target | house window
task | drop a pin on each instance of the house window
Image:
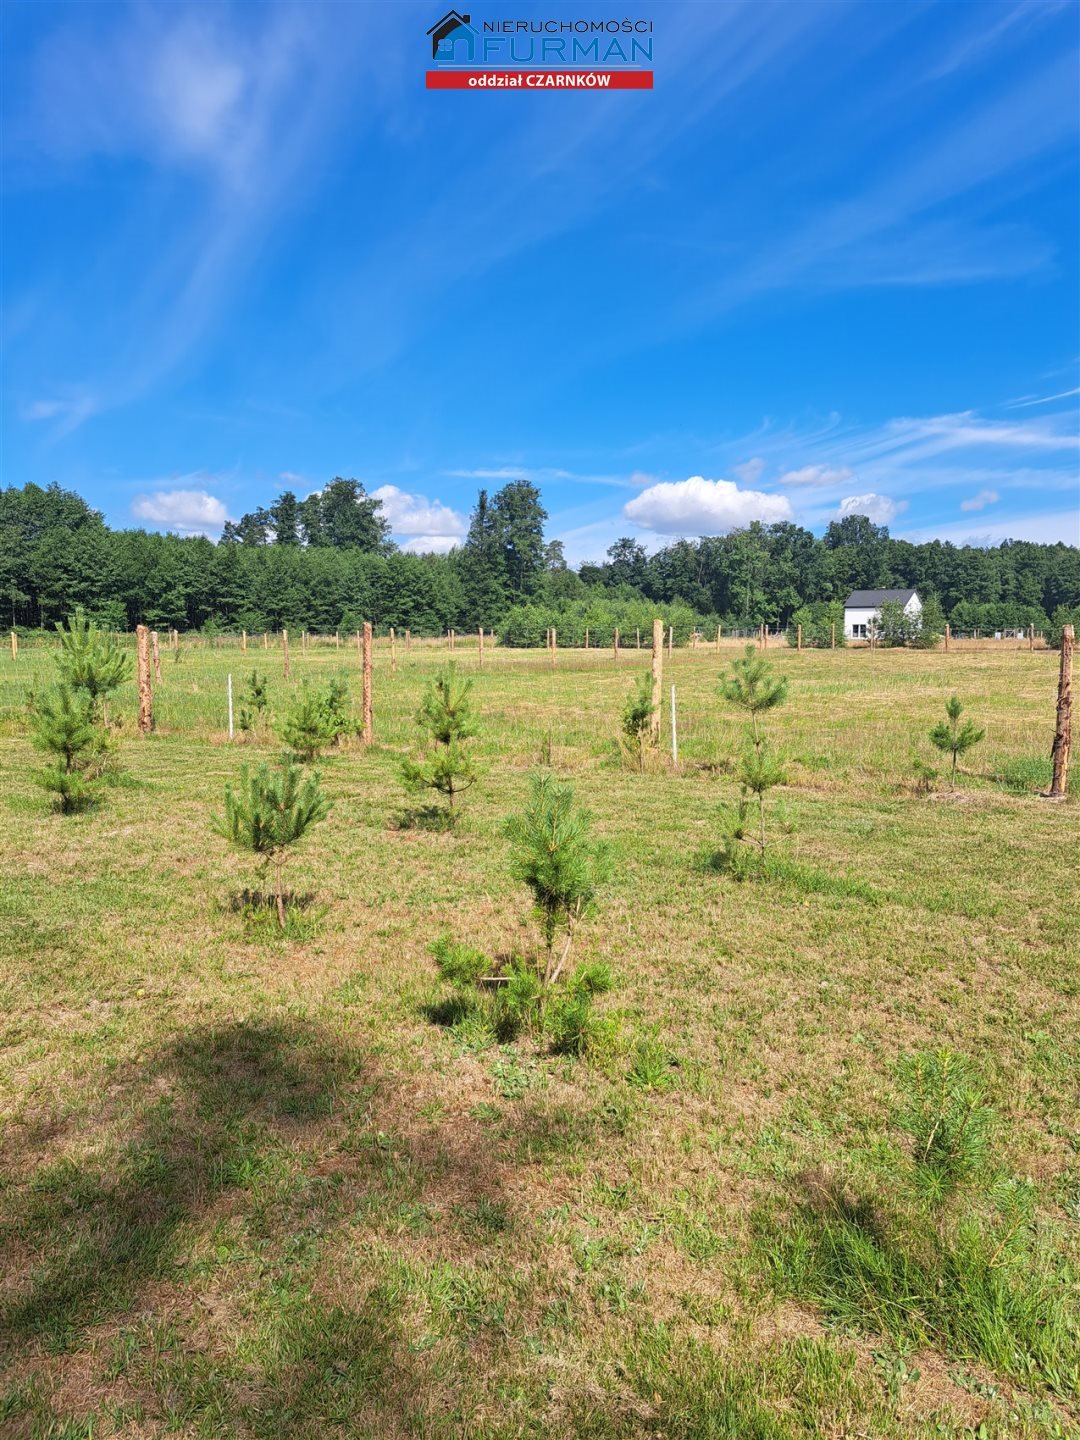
(858, 632)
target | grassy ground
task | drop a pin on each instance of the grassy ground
(249, 1188)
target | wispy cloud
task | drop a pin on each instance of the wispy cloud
(69, 412)
(1028, 400)
(981, 500)
(816, 475)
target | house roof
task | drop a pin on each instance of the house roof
(865, 599)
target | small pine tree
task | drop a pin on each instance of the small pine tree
(308, 728)
(637, 720)
(555, 857)
(62, 724)
(268, 813)
(255, 703)
(944, 1110)
(447, 718)
(90, 660)
(954, 738)
(752, 686)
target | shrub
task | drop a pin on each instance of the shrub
(447, 719)
(553, 854)
(268, 813)
(954, 738)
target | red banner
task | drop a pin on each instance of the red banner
(539, 79)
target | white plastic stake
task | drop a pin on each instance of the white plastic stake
(674, 731)
(230, 708)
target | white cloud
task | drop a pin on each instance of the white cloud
(188, 512)
(292, 478)
(418, 516)
(878, 508)
(430, 544)
(817, 475)
(703, 507)
(981, 500)
(1027, 400)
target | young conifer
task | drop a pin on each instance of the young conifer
(446, 717)
(269, 812)
(753, 688)
(954, 738)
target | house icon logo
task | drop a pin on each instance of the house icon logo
(445, 34)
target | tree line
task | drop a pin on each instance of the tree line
(327, 563)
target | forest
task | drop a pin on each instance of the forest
(327, 562)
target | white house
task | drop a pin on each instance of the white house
(862, 606)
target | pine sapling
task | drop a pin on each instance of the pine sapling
(954, 738)
(91, 660)
(62, 723)
(554, 855)
(269, 812)
(637, 721)
(308, 728)
(447, 719)
(753, 688)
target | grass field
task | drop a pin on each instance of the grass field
(250, 1188)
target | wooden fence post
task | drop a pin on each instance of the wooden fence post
(243, 642)
(369, 731)
(1059, 785)
(285, 651)
(266, 643)
(554, 644)
(1031, 637)
(481, 647)
(146, 698)
(670, 640)
(616, 644)
(718, 639)
(408, 641)
(14, 646)
(639, 639)
(798, 638)
(657, 679)
(948, 636)
(832, 636)
(157, 656)
(337, 639)
(586, 637)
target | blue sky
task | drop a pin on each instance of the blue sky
(829, 264)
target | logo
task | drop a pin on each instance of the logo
(445, 31)
(532, 54)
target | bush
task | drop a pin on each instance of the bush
(817, 621)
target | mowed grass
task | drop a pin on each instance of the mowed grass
(249, 1188)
